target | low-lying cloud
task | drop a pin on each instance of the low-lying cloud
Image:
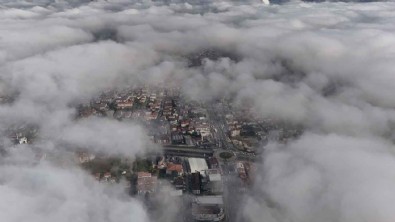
(49, 193)
(327, 178)
(327, 66)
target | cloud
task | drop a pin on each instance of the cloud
(328, 178)
(327, 66)
(49, 193)
(106, 136)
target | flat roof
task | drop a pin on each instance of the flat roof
(198, 209)
(214, 177)
(176, 193)
(197, 164)
(209, 200)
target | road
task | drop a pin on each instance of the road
(232, 185)
(219, 123)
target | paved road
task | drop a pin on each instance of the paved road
(205, 152)
(232, 192)
(188, 151)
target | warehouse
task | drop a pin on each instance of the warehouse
(197, 165)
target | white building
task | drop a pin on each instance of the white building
(22, 140)
(197, 164)
(214, 182)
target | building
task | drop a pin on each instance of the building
(208, 208)
(203, 129)
(100, 106)
(125, 105)
(213, 183)
(213, 163)
(176, 193)
(196, 183)
(197, 165)
(151, 116)
(146, 183)
(235, 132)
(119, 114)
(125, 102)
(241, 170)
(179, 183)
(85, 157)
(173, 168)
(22, 140)
(107, 176)
(177, 139)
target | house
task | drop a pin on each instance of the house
(85, 157)
(100, 106)
(172, 167)
(127, 104)
(179, 183)
(22, 140)
(177, 139)
(235, 132)
(97, 176)
(213, 163)
(107, 176)
(184, 123)
(146, 183)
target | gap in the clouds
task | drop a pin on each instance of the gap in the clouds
(105, 35)
(333, 88)
(196, 59)
(185, 129)
(289, 73)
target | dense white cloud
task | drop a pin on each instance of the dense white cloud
(327, 66)
(328, 178)
(50, 193)
(104, 136)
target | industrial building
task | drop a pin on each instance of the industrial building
(208, 208)
(197, 165)
(196, 183)
(213, 181)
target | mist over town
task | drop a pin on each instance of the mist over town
(197, 110)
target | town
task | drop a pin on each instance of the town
(209, 156)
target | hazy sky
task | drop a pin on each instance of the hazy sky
(328, 66)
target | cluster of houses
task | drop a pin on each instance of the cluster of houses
(22, 134)
(130, 103)
(189, 124)
(243, 133)
(176, 122)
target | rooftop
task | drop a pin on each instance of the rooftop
(209, 200)
(197, 164)
(198, 209)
